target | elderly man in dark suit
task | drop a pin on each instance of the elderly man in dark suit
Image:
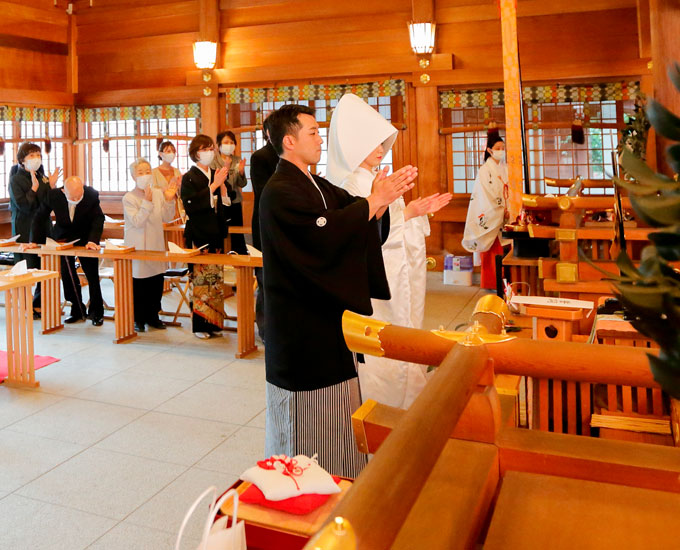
(78, 215)
(262, 167)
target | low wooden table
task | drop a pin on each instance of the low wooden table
(267, 528)
(19, 325)
(122, 282)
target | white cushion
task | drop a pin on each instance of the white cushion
(280, 477)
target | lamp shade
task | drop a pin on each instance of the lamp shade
(422, 37)
(205, 54)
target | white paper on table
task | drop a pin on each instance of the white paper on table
(174, 249)
(20, 268)
(108, 219)
(254, 252)
(11, 239)
(51, 244)
(109, 244)
(552, 302)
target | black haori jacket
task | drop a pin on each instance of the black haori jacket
(318, 262)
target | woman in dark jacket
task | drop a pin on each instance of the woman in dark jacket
(28, 188)
(204, 194)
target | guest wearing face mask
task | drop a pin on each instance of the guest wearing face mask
(486, 213)
(166, 174)
(28, 187)
(204, 194)
(78, 215)
(236, 180)
(145, 210)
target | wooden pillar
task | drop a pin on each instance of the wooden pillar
(427, 141)
(71, 130)
(665, 35)
(209, 29)
(513, 105)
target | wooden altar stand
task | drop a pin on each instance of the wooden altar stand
(19, 325)
(455, 472)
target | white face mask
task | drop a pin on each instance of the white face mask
(32, 164)
(144, 181)
(74, 203)
(206, 157)
(227, 148)
(168, 157)
(498, 154)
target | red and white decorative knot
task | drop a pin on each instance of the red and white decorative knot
(284, 465)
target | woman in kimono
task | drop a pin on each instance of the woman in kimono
(204, 195)
(28, 188)
(145, 209)
(166, 175)
(359, 138)
(486, 213)
(236, 179)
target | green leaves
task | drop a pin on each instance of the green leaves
(650, 293)
(664, 122)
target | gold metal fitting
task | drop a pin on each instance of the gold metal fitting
(493, 305)
(562, 234)
(362, 334)
(431, 263)
(335, 535)
(424, 78)
(424, 63)
(566, 272)
(207, 91)
(564, 203)
(529, 200)
(476, 335)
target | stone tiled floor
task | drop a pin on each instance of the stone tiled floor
(118, 440)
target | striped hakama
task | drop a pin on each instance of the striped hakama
(316, 422)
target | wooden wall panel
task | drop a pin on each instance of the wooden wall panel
(29, 37)
(135, 46)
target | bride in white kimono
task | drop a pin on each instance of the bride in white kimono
(358, 139)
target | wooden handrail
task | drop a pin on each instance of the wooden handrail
(522, 357)
(235, 260)
(381, 498)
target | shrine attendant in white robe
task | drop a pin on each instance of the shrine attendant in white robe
(145, 209)
(486, 213)
(359, 139)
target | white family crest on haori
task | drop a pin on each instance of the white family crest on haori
(356, 130)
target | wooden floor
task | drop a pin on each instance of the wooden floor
(118, 440)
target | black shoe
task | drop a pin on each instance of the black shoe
(97, 321)
(36, 315)
(73, 319)
(139, 327)
(157, 324)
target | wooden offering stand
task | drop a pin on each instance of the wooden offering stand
(455, 472)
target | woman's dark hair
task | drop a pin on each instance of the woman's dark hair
(26, 149)
(222, 135)
(201, 141)
(490, 142)
(266, 128)
(284, 122)
(163, 145)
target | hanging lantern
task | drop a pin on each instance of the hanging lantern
(48, 142)
(105, 141)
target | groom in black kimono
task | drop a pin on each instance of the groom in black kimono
(322, 256)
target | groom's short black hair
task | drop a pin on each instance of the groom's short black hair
(284, 122)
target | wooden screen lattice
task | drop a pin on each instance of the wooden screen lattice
(109, 172)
